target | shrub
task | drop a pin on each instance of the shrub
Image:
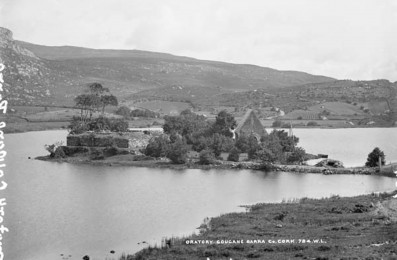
(373, 158)
(178, 152)
(118, 125)
(53, 147)
(312, 123)
(234, 155)
(266, 155)
(158, 146)
(96, 154)
(110, 151)
(206, 157)
(59, 153)
(277, 123)
(297, 155)
(77, 126)
(124, 111)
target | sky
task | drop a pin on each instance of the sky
(344, 39)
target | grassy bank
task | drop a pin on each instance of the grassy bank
(362, 227)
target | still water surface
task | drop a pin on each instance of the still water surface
(58, 208)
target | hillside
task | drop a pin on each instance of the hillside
(43, 74)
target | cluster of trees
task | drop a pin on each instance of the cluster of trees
(190, 131)
(95, 100)
(127, 113)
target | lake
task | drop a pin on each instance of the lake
(59, 208)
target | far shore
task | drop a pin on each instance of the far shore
(22, 127)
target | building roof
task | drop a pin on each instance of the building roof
(250, 124)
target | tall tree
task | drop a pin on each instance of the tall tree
(87, 103)
(373, 158)
(97, 89)
(223, 123)
(108, 100)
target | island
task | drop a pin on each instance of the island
(190, 140)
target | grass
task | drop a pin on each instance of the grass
(350, 228)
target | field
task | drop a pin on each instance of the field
(338, 108)
(163, 107)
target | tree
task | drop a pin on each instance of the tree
(297, 156)
(178, 151)
(87, 103)
(223, 123)
(108, 100)
(373, 158)
(266, 156)
(206, 157)
(234, 155)
(277, 123)
(158, 146)
(287, 142)
(242, 143)
(96, 89)
(253, 146)
(124, 111)
(270, 149)
(185, 124)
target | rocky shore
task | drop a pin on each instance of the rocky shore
(124, 159)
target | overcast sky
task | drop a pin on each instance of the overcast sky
(345, 39)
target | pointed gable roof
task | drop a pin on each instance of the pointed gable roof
(250, 124)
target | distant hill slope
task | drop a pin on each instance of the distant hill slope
(128, 71)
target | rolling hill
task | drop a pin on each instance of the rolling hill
(45, 74)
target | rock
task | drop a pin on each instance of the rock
(330, 163)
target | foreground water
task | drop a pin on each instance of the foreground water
(59, 208)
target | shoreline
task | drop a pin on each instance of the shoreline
(330, 228)
(127, 160)
(24, 127)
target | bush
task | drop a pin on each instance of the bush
(96, 154)
(277, 123)
(124, 111)
(77, 126)
(110, 151)
(118, 125)
(158, 146)
(234, 155)
(178, 152)
(59, 153)
(312, 123)
(373, 158)
(266, 156)
(297, 155)
(52, 148)
(206, 157)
